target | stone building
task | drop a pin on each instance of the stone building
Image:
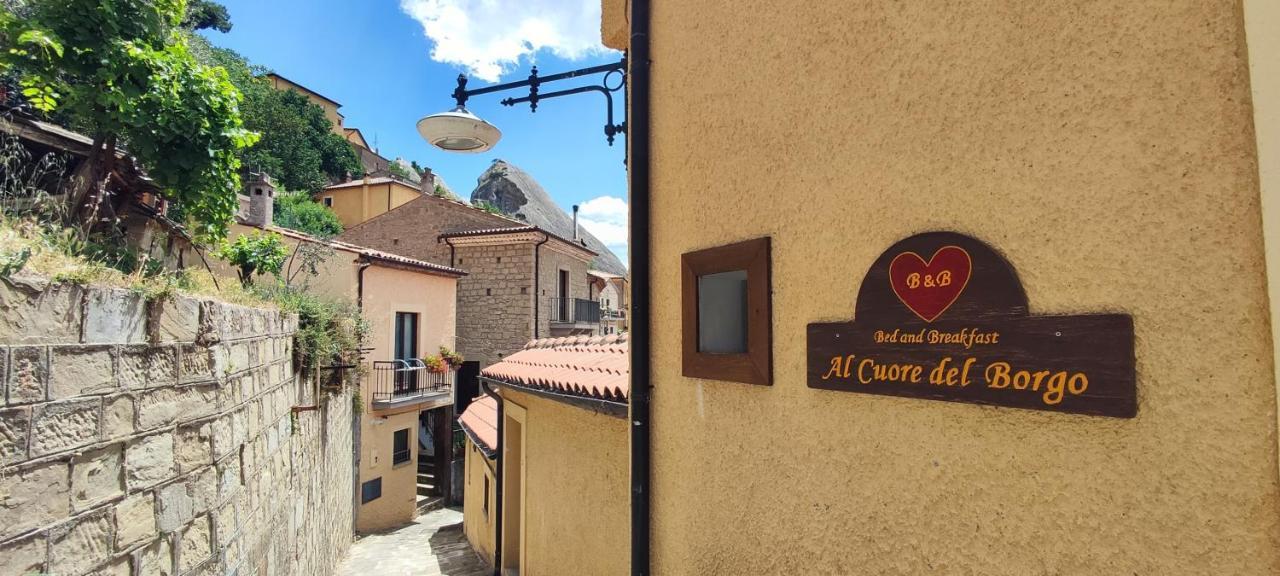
(523, 282)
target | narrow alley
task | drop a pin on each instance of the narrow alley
(432, 545)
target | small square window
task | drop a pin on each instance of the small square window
(400, 452)
(328, 201)
(371, 490)
(725, 302)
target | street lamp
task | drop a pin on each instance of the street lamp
(459, 130)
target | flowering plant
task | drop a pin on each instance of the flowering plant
(453, 359)
(435, 364)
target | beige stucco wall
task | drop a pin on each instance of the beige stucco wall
(387, 291)
(397, 505)
(1106, 149)
(1262, 25)
(335, 277)
(577, 509)
(478, 524)
(355, 204)
(330, 108)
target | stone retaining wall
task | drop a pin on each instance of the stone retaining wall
(145, 438)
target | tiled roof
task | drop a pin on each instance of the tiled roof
(372, 181)
(594, 367)
(516, 230)
(370, 253)
(489, 231)
(480, 422)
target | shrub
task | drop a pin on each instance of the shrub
(254, 254)
(329, 332)
(296, 211)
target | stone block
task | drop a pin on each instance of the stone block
(15, 424)
(199, 363)
(149, 461)
(118, 416)
(122, 566)
(195, 448)
(174, 507)
(210, 331)
(76, 370)
(114, 316)
(135, 520)
(195, 547)
(26, 556)
(204, 490)
(148, 366)
(97, 476)
(240, 357)
(35, 497)
(175, 319)
(59, 426)
(156, 559)
(35, 312)
(28, 374)
(165, 406)
(224, 441)
(81, 545)
(229, 479)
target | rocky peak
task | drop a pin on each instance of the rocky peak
(519, 196)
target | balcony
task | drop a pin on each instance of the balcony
(408, 383)
(575, 315)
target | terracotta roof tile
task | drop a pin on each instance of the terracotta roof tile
(588, 366)
(480, 421)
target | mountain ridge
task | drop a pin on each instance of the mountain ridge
(518, 195)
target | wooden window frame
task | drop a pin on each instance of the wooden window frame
(755, 366)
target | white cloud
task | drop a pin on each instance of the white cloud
(605, 217)
(489, 37)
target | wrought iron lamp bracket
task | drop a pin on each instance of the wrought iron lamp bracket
(607, 86)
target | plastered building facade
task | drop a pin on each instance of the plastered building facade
(1110, 152)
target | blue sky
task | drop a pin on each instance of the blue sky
(376, 58)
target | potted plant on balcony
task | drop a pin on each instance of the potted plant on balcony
(453, 359)
(435, 364)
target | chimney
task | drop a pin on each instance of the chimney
(262, 196)
(575, 221)
(428, 182)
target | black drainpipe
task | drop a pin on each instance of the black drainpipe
(638, 171)
(451, 254)
(357, 417)
(360, 285)
(497, 490)
(537, 275)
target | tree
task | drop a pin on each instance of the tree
(399, 171)
(254, 255)
(296, 211)
(206, 14)
(123, 69)
(298, 148)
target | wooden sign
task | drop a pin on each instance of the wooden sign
(942, 316)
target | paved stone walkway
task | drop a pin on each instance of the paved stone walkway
(432, 545)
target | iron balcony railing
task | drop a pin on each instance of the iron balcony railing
(396, 380)
(575, 311)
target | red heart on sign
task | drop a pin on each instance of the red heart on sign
(929, 288)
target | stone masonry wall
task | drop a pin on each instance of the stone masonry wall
(552, 262)
(145, 438)
(495, 312)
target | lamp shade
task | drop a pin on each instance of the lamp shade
(458, 131)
